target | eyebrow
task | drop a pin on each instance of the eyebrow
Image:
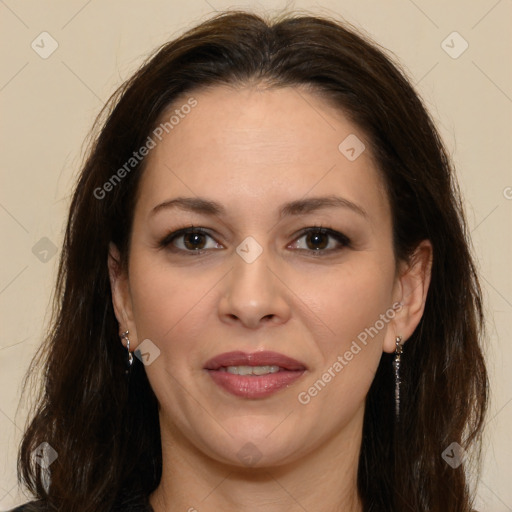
(299, 207)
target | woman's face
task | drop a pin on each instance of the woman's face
(254, 169)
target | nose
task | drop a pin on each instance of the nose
(254, 294)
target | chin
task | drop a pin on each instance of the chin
(250, 451)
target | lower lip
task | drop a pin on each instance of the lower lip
(255, 386)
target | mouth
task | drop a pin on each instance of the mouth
(254, 375)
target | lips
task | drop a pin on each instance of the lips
(254, 386)
(265, 358)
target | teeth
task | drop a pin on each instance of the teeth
(250, 370)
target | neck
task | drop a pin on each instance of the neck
(324, 480)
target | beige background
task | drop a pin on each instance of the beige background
(48, 106)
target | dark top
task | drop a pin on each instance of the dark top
(131, 504)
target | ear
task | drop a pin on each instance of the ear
(121, 296)
(410, 291)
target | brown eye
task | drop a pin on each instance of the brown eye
(315, 240)
(194, 241)
(189, 240)
(321, 240)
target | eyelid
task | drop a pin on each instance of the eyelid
(341, 238)
(170, 237)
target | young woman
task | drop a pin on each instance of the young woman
(266, 299)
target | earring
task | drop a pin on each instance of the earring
(124, 336)
(396, 364)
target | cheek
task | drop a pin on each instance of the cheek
(169, 303)
(350, 297)
(355, 303)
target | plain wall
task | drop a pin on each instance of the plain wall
(48, 105)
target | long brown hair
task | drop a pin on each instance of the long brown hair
(105, 427)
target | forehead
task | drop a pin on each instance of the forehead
(251, 146)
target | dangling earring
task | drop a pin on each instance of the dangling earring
(396, 364)
(129, 363)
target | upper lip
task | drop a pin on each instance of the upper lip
(262, 358)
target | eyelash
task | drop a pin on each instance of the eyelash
(343, 240)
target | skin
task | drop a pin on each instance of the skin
(252, 149)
